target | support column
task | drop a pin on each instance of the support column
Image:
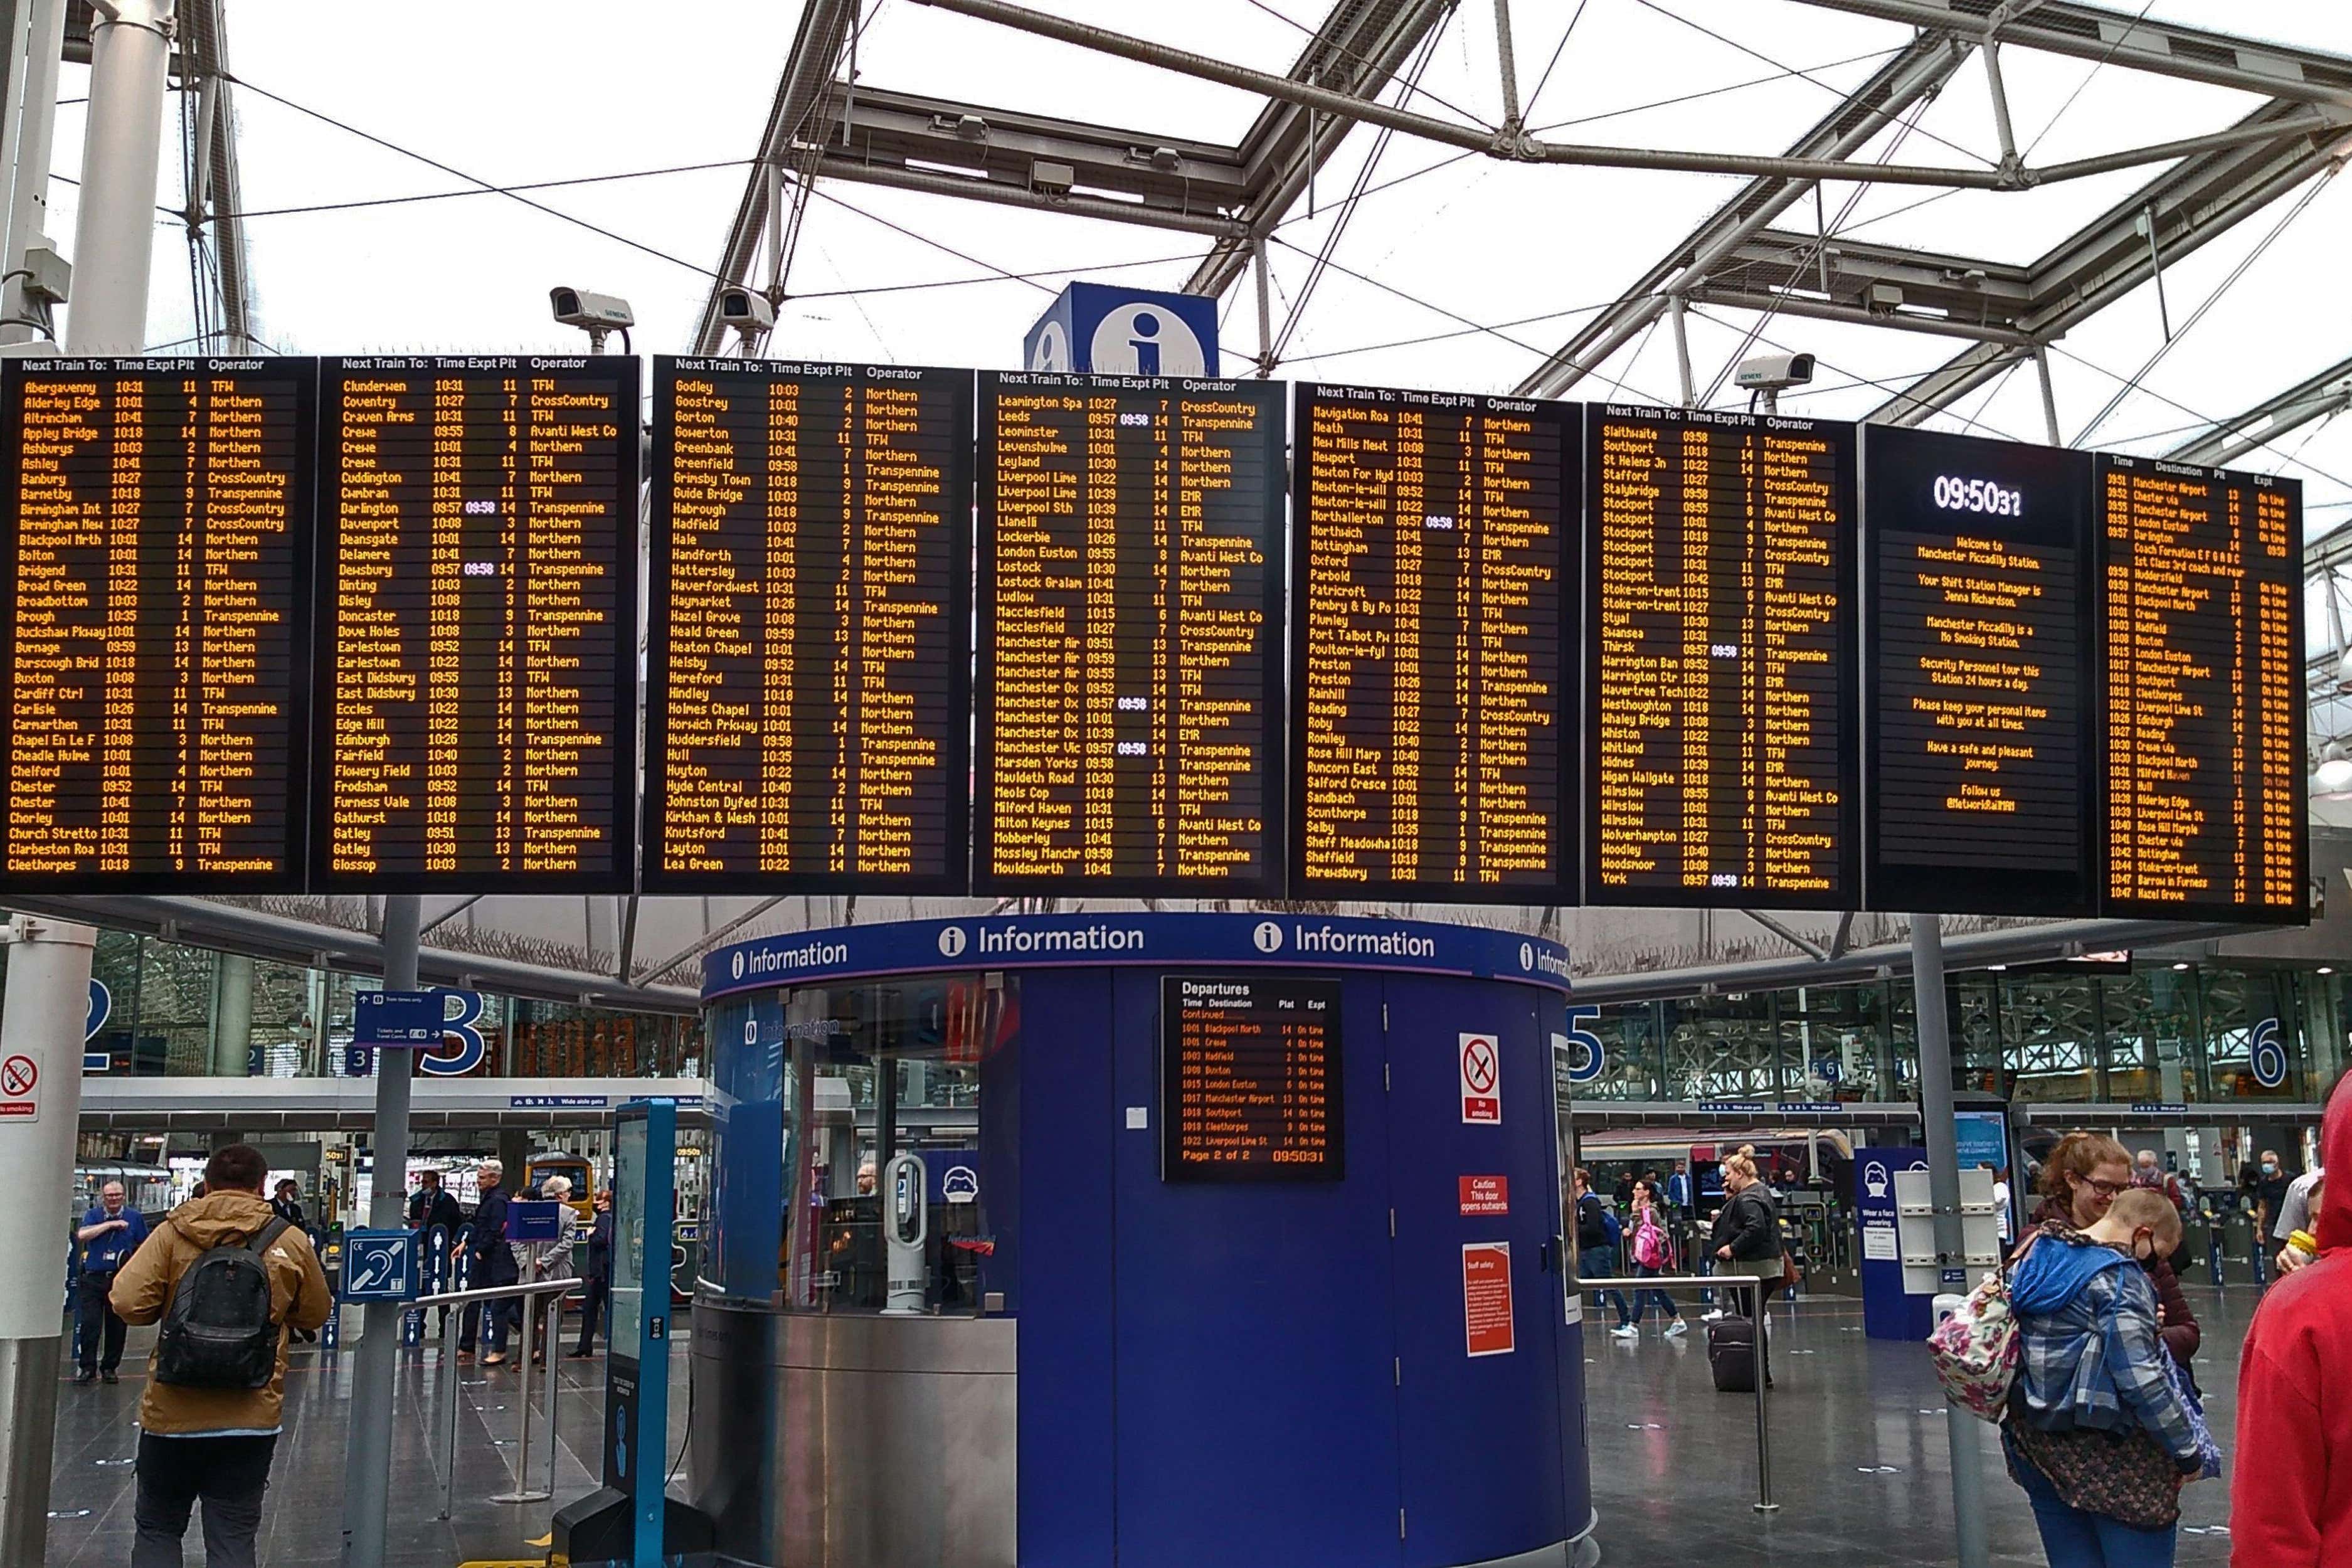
(27, 153)
(1944, 1190)
(367, 1469)
(47, 1002)
(233, 1015)
(115, 238)
(2049, 395)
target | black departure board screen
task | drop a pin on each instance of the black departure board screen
(807, 652)
(1720, 705)
(1433, 663)
(477, 659)
(2201, 610)
(1129, 612)
(156, 604)
(1979, 669)
(1250, 1085)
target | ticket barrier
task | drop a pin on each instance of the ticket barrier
(2224, 1244)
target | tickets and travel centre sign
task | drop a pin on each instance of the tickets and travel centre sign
(1027, 942)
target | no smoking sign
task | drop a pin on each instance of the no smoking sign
(1482, 1080)
(20, 1077)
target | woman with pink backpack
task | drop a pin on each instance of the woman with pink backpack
(1652, 1248)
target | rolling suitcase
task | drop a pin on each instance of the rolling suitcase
(1731, 1354)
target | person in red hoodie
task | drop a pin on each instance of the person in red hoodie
(2295, 1409)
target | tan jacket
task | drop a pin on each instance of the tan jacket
(143, 1291)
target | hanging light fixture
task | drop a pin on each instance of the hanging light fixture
(2335, 771)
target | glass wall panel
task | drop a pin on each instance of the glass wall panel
(1719, 1047)
(1633, 1063)
(2050, 1037)
(2248, 1012)
(2149, 1016)
(1830, 1039)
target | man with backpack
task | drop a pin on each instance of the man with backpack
(226, 1279)
(1598, 1232)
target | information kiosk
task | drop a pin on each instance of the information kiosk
(1247, 1248)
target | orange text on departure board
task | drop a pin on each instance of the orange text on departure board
(1430, 649)
(152, 724)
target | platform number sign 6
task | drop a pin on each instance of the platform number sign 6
(472, 1049)
(1585, 1057)
(2269, 1056)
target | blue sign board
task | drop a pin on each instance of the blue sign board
(397, 1020)
(1810, 1107)
(1031, 941)
(2158, 1107)
(1587, 1054)
(1114, 331)
(102, 1005)
(534, 1219)
(1888, 1313)
(96, 1061)
(1735, 1107)
(1983, 1138)
(380, 1265)
(558, 1101)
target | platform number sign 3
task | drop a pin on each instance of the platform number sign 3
(461, 1031)
(2269, 1056)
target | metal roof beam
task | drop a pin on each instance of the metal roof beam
(2192, 203)
(818, 43)
(1875, 280)
(2329, 392)
(1360, 48)
(956, 149)
(2136, 42)
(1919, 70)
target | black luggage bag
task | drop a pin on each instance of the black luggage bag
(1731, 1353)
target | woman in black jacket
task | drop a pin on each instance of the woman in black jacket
(1746, 1240)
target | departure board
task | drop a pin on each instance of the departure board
(155, 600)
(1250, 1085)
(2200, 613)
(1130, 612)
(476, 661)
(806, 725)
(1978, 671)
(1433, 665)
(1720, 702)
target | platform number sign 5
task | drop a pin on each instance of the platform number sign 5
(461, 1031)
(2269, 1056)
(1585, 1056)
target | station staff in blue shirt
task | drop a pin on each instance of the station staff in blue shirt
(111, 1232)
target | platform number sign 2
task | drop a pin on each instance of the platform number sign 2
(2269, 1056)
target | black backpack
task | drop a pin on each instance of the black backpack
(217, 1332)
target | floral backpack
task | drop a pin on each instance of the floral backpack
(1976, 1349)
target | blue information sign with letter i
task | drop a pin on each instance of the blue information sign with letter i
(380, 1265)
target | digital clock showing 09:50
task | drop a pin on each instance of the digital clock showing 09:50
(1956, 494)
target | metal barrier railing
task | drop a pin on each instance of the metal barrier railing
(466, 1301)
(1729, 1284)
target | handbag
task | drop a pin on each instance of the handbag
(2122, 1476)
(1976, 1350)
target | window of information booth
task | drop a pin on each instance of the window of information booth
(845, 1153)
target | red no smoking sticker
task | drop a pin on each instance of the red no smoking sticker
(1487, 1298)
(18, 1076)
(1482, 1080)
(1485, 1195)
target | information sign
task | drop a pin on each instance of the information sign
(1978, 670)
(380, 1265)
(1487, 1322)
(1129, 724)
(1480, 1057)
(2201, 610)
(1251, 1087)
(808, 640)
(394, 1020)
(155, 539)
(1721, 741)
(1485, 1195)
(476, 660)
(1431, 595)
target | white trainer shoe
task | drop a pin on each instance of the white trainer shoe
(1625, 1332)
(1676, 1329)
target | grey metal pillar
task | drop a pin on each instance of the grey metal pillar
(1944, 1190)
(47, 999)
(232, 1015)
(34, 104)
(367, 1469)
(114, 236)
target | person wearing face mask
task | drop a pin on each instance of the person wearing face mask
(2099, 1433)
(2295, 1408)
(2082, 1175)
(2271, 1184)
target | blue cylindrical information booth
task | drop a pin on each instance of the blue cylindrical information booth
(1227, 1238)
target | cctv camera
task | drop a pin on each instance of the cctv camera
(1770, 373)
(592, 312)
(746, 311)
